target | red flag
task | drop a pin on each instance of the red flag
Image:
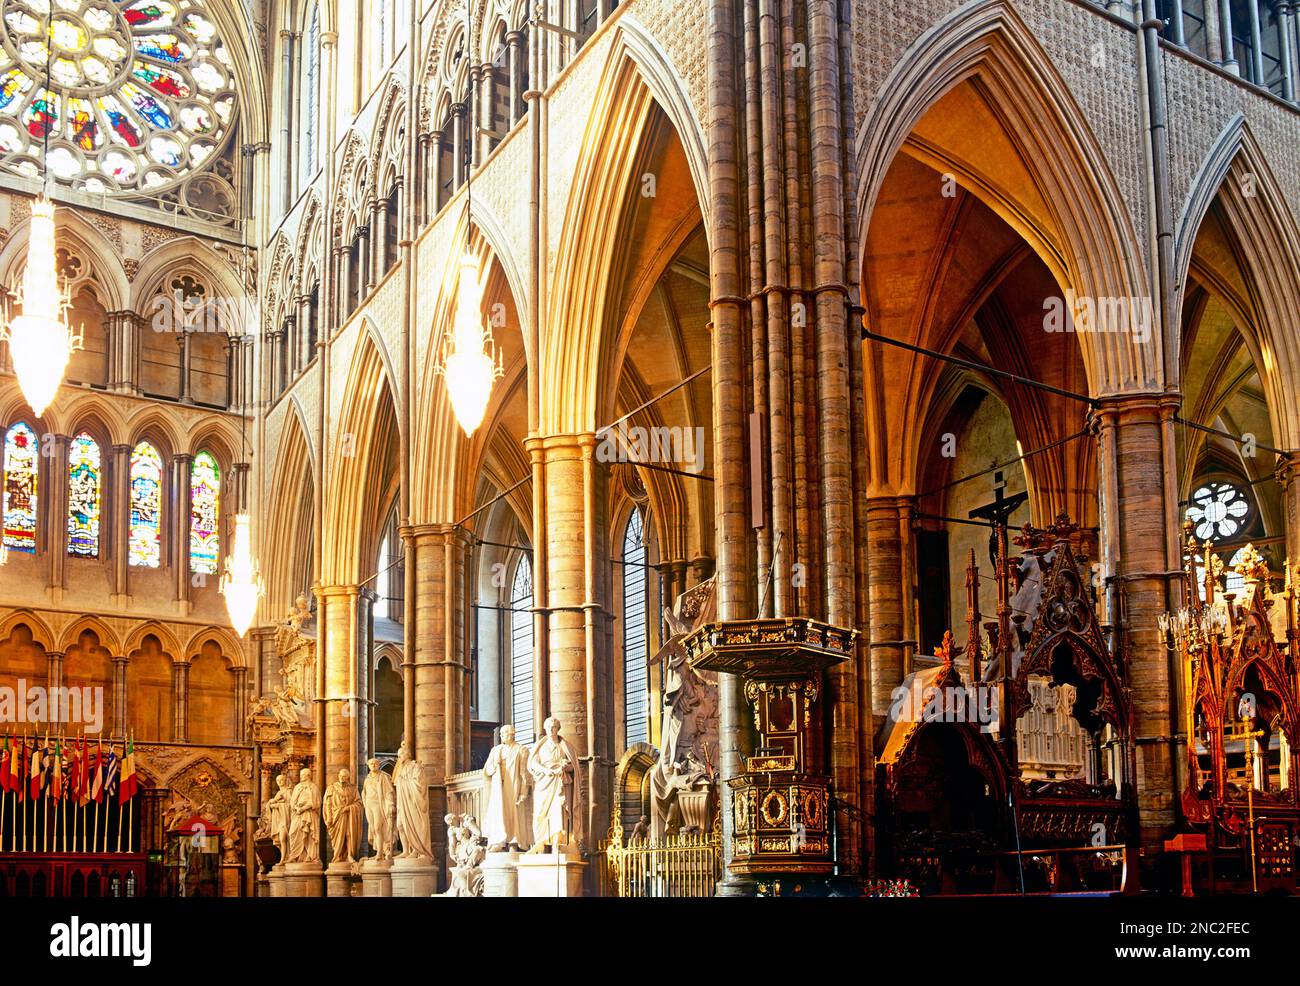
(6, 759)
(36, 772)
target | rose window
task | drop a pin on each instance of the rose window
(1218, 510)
(140, 93)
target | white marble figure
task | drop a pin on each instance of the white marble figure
(466, 852)
(381, 809)
(276, 813)
(342, 813)
(505, 822)
(304, 823)
(412, 807)
(557, 808)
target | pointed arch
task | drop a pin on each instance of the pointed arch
(167, 640)
(73, 631)
(370, 378)
(230, 646)
(40, 630)
(1236, 174)
(443, 451)
(288, 532)
(599, 197)
(1083, 233)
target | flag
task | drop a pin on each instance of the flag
(36, 776)
(97, 780)
(83, 773)
(18, 769)
(6, 763)
(56, 771)
(110, 767)
(130, 780)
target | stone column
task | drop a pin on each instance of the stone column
(337, 615)
(180, 533)
(459, 163)
(884, 576)
(438, 671)
(119, 697)
(579, 686)
(56, 490)
(183, 340)
(123, 345)
(1286, 13)
(1228, 57)
(1136, 511)
(180, 701)
(378, 258)
(54, 669)
(119, 522)
(240, 674)
(515, 56)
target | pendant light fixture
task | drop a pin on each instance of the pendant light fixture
(40, 341)
(468, 358)
(241, 582)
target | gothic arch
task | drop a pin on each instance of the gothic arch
(1236, 174)
(1086, 238)
(231, 648)
(295, 467)
(166, 639)
(25, 617)
(371, 374)
(590, 232)
(72, 634)
(444, 452)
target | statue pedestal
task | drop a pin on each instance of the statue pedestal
(500, 874)
(414, 876)
(275, 881)
(303, 880)
(376, 879)
(550, 875)
(340, 880)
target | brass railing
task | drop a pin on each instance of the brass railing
(675, 866)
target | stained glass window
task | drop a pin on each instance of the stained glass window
(205, 514)
(21, 464)
(311, 95)
(636, 698)
(143, 90)
(1218, 510)
(146, 506)
(83, 497)
(521, 651)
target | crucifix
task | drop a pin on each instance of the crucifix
(997, 513)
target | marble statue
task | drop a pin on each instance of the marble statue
(466, 852)
(342, 813)
(505, 822)
(690, 715)
(276, 813)
(557, 784)
(304, 820)
(381, 808)
(412, 806)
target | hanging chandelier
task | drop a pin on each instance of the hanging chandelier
(469, 361)
(40, 341)
(241, 583)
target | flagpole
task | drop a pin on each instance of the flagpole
(130, 825)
